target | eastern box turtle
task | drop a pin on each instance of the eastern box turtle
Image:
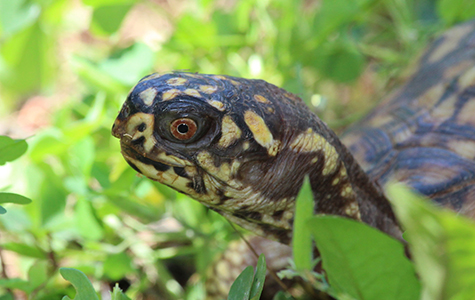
(243, 147)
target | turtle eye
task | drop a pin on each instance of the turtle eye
(183, 128)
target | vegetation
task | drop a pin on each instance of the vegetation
(65, 69)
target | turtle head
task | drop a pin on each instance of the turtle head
(240, 146)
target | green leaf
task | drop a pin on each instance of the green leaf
(15, 283)
(29, 59)
(24, 250)
(302, 246)
(116, 266)
(2, 210)
(83, 286)
(129, 64)
(14, 198)
(107, 19)
(259, 278)
(363, 262)
(38, 274)
(340, 62)
(241, 287)
(117, 294)
(16, 15)
(442, 244)
(87, 223)
(11, 149)
(456, 11)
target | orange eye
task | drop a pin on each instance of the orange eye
(183, 129)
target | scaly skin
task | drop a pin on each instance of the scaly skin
(253, 146)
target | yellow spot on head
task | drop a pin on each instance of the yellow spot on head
(245, 145)
(132, 129)
(152, 76)
(270, 109)
(208, 89)
(259, 129)
(261, 99)
(148, 96)
(192, 92)
(220, 77)
(177, 81)
(170, 94)
(217, 104)
(335, 181)
(230, 132)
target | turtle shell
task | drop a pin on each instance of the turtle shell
(423, 134)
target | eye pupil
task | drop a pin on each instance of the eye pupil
(182, 128)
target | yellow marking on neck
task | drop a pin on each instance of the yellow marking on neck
(308, 141)
(230, 132)
(192, 92)
(148, 96)
(261, 132)
(217, 104)
(177, 81)
(132, 129)
(261, 99)
(245, 145)
(346, 190)
(353, 210)
(331, 159)
(208, 89)
(170, 94)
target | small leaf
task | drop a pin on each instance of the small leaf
(363, 262)
(259, 278)
(2, 210)
(302, 245)
(117, 294)
(241, 287)
(14, 198)
(38, 273)
(107, 19)
(116, 266)
(11, 149)
(24, 250)
(79, 280)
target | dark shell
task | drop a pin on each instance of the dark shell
(423, 134)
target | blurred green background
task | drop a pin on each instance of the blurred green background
(66, 67)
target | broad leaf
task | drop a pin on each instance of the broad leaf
(302, 246)
(14, 198)
(241, 287)
(259, 278)
(363, 262)
(83, 286)
(11, 149)
(442, 244)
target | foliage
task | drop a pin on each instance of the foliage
(65, 69)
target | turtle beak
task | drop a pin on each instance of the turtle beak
(118, 128)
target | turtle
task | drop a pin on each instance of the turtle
(243, 147)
